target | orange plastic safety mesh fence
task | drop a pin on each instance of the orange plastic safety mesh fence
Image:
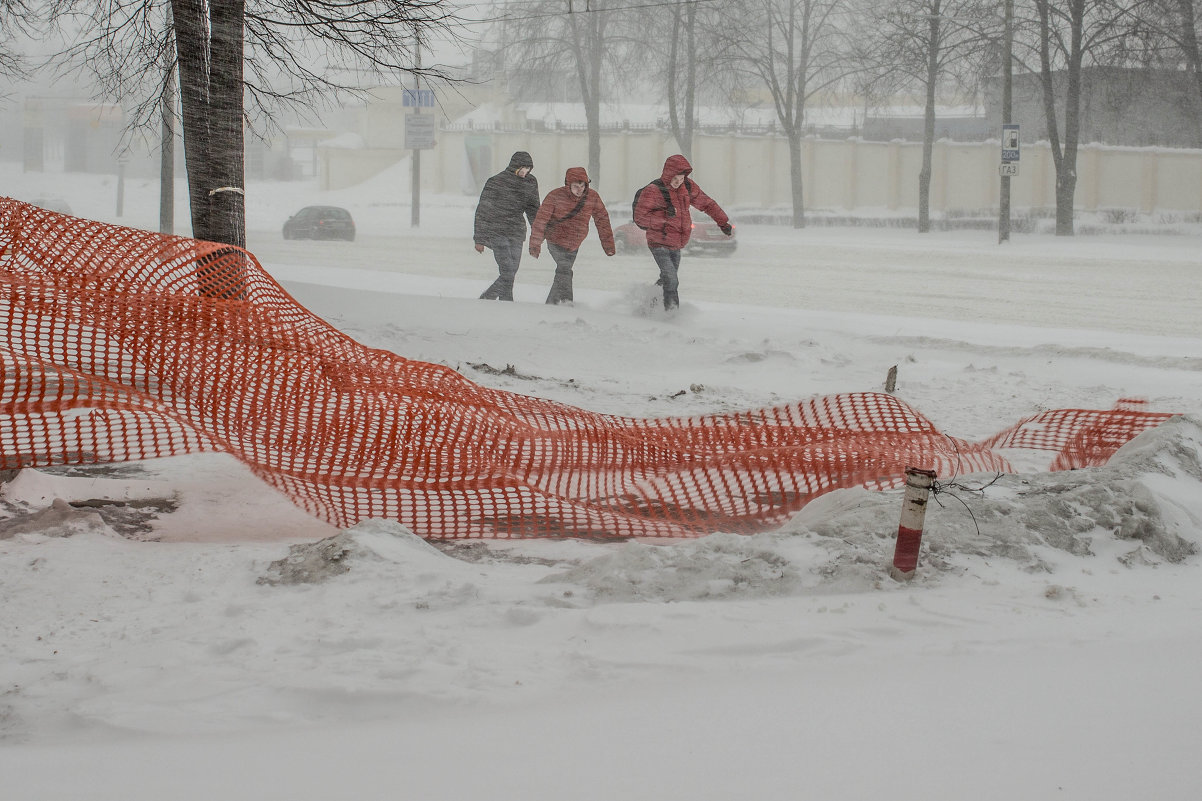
(122, 344)
(1080, 437)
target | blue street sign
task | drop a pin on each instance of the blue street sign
(1009, 143)
(423, 98)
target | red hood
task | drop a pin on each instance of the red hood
(575, 174)
(675, 165)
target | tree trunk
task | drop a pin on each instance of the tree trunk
(673, 88)
(681, 101)
(209, 37)
(191, 45)
(167, 156)
(227, 199)
(799, 209)
(1065, 158)
(167, 140)
(690, 81)
(588, 44)
(1066, 177)
(928, 127)
(592, 114)
(1193, 59)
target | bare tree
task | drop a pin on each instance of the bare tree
(1069, 32)
(239, 61)
(795, 49)
(588, 36)
(552, 39)
(934, 42)
(674, 44)
(16, 18)
(1171, 33)
(1185, 33)
(682, 74)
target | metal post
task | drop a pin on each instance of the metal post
(1003, 223)
(121, 161)
(167, 156)
(416, 153)
(909, 530)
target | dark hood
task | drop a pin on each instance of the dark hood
(520, 159)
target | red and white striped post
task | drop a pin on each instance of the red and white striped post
(909, 530)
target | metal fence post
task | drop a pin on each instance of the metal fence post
(909, 530)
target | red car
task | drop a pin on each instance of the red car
(707, 237)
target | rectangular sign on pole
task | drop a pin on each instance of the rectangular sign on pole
(1009, 143)
(420, 130)
(423, 98)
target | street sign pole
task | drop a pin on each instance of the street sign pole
(122, 160)
(416, 153)
(1003, 222)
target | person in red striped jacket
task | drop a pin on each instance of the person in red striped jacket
(662, 210)
(562, 221)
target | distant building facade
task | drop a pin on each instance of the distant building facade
(1119, 106)
(910, 128)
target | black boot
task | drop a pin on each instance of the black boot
(561, 290)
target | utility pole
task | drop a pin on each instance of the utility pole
(416, 153)
(1003, 223)
(122, 160)
(167, 142)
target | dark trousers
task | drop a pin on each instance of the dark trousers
(668, 261)
(508, 253)
(561, 287)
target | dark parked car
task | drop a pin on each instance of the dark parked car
(53, 203)
(707, 237)
(320, 222)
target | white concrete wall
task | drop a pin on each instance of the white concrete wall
(838, 175)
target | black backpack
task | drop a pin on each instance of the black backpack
(670, 209)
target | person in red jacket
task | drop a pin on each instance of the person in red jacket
(663, 211)
(562, 220)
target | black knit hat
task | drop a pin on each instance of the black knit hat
(520, 159)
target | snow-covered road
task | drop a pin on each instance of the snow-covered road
(1126, 283)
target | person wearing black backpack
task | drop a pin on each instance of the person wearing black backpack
(506, 197)
(661, 208)
(562, 220)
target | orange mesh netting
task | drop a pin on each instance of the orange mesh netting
(1080, 437)
(122, 344)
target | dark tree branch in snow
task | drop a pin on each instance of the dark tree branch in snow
(1070, 33)
(585, 46)
(932, 43)
(240, 61)
(797, 50)
(17, 18)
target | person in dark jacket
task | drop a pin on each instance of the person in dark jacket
(506, 196)
(562, 220)
(663, 210)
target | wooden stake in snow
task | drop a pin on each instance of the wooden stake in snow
(909, 530)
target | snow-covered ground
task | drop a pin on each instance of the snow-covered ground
(207, 641)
